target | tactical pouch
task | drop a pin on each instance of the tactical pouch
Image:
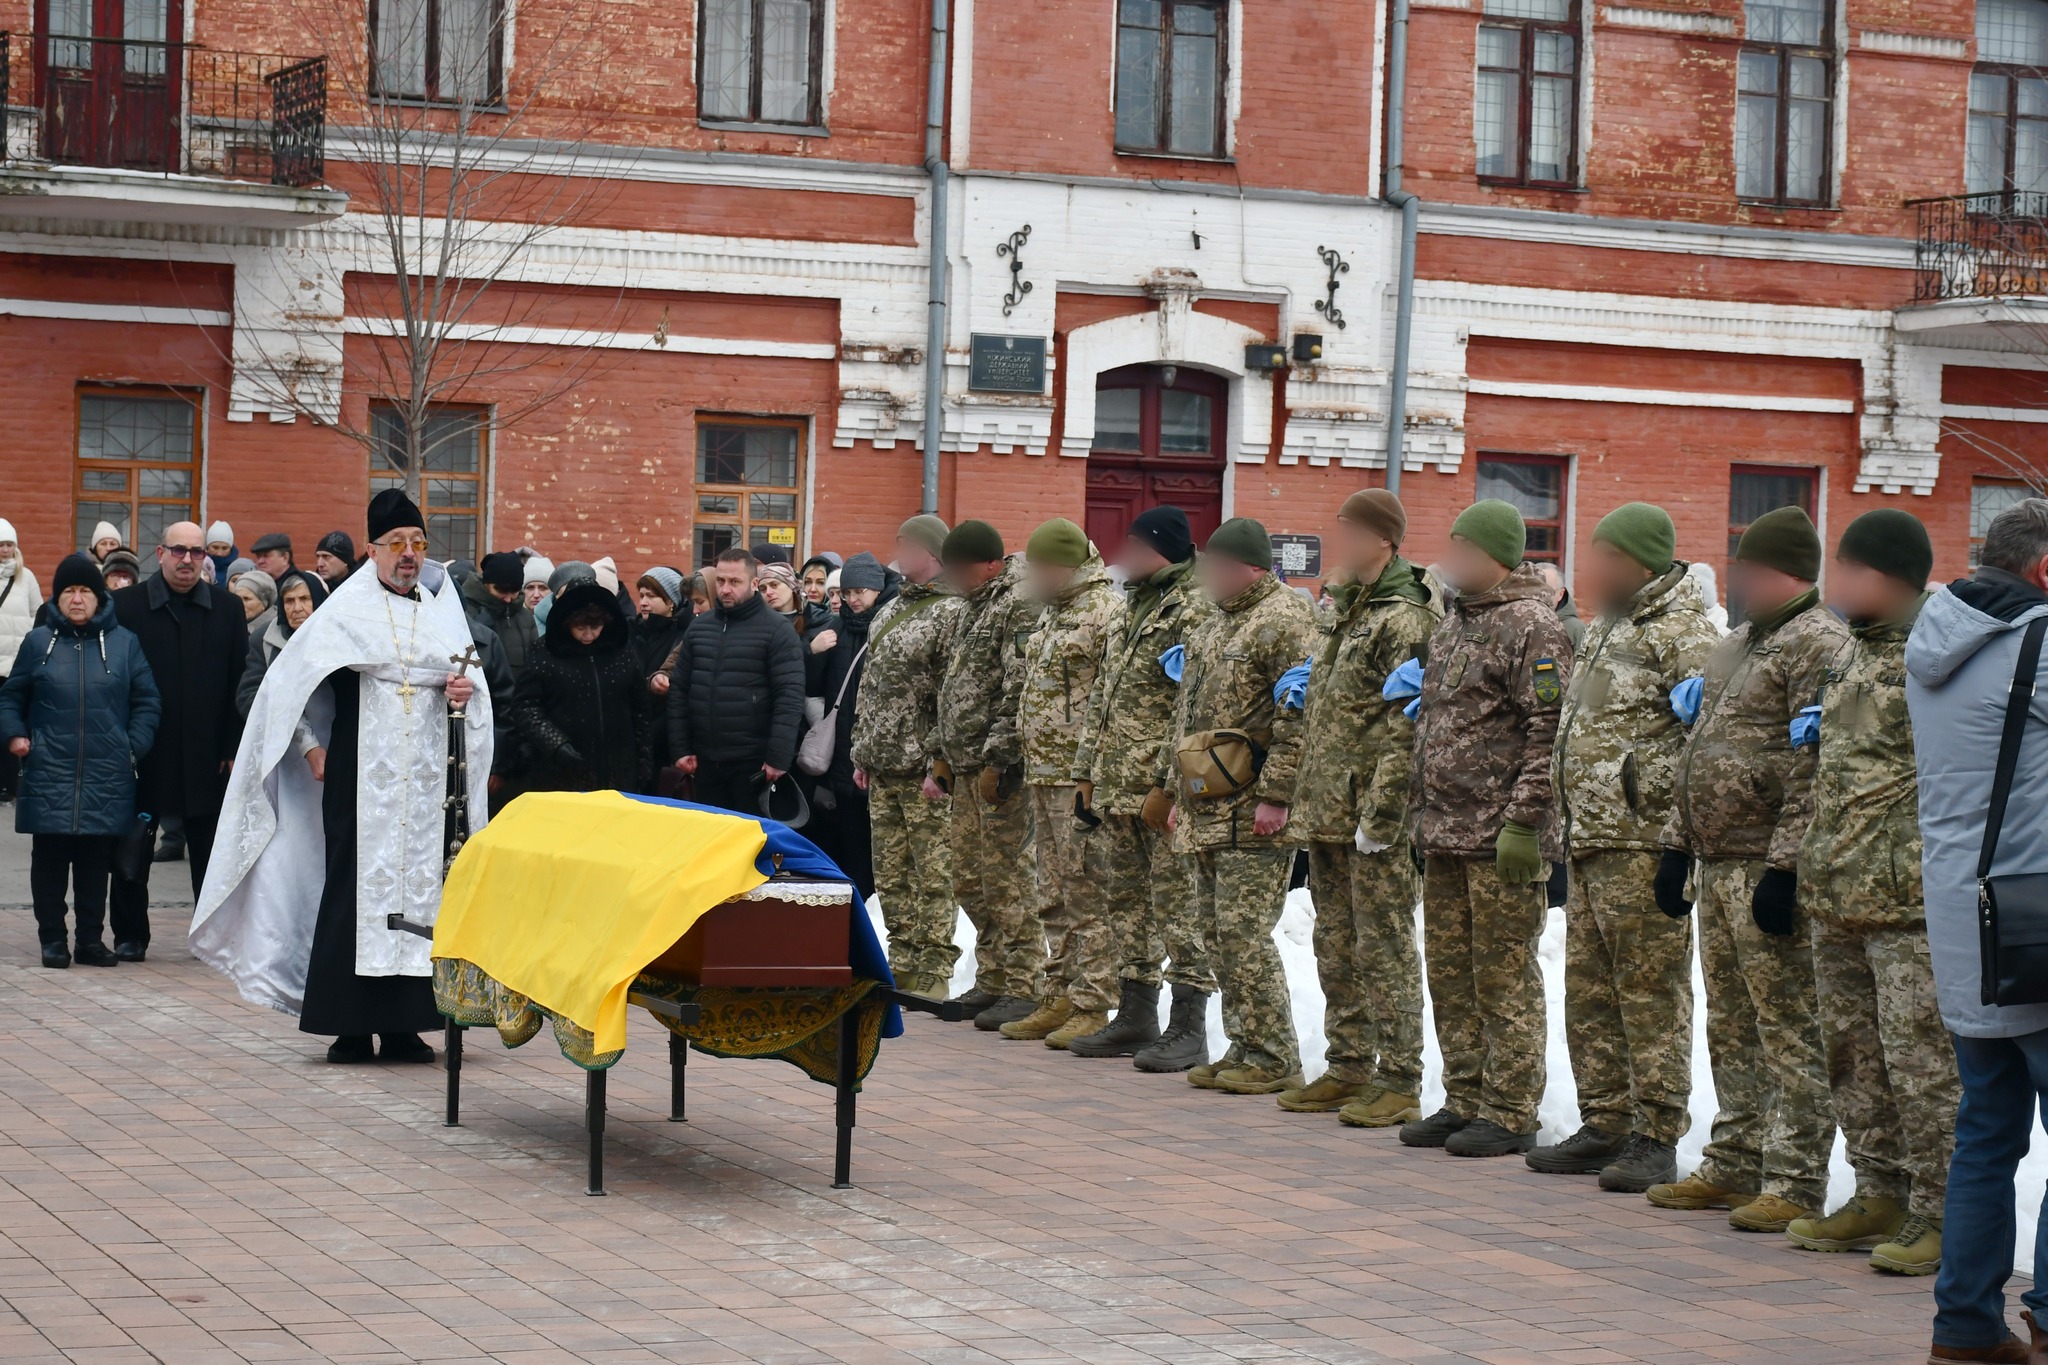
(1218, 763)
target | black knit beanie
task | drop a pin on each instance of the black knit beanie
(1892, 542)
(79, 571)
(1165, 529)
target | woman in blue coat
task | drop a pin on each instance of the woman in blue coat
(79, 709)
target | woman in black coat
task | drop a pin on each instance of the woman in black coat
(582, 706)
(839, 823)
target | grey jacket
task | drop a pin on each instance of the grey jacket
(1959, 665)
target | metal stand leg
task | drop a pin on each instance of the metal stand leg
(849, 1053)
(451, 1048)
(593, 1116)
(678, 1066)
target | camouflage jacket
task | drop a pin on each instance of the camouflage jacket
(899, 683)
(1233, 661)
(1059, 671)
(1357, 747)
(1496, 673)
(1124, 747)
(1859, 864)
(1618, 743)
(1743, 790)
(977, 722)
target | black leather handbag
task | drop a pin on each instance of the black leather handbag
(2012, 910)
(134, 850)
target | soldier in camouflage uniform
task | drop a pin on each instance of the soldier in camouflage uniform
(1745, 796)
(980, 761)
(1481, 812)
(1122, 767)
(1891, 1066)
(1082, 612)
(1241, 861)
(1351, 797)
(892, 748)
(1628, 969)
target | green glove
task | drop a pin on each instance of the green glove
(1515, 855)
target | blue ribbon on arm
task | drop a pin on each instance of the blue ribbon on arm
(1686, 699)
(1405, 681)
(1173, 662)
(1805, 728)
(1291, 692)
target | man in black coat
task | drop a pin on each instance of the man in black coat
(196, 640)
(737, 699)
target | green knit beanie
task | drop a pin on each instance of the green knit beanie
(1495, 527)
(1243, 540)
(1059, 542)
(1642, 532)
(1783, 539)
(1892, 542)
(926, 530)
(972, 542)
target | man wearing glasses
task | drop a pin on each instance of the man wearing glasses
(346, 804)
(196, 641)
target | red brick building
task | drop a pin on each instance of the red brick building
(1668, 252)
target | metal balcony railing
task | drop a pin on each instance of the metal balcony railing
(170, 107)
(1981, 246)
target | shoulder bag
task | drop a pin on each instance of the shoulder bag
(814, 753)
(2012, 910)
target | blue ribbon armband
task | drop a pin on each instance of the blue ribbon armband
(1291, 692)
(1403, 682)
(1173, 662)
(1686, 699)
(1805, 728)
(1412, 709)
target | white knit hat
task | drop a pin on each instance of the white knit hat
(220, 532)
(7, 531)
(607, 573)
(537, 569)
(106, 530)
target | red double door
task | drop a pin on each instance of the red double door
(107, 78)
(1159, 440)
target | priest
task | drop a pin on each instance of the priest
(363, 765)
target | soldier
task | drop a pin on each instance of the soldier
(892, 748)
(1628, 969)
(1744, 799)
(1351, 806)
(979, 760)
(1082, 611)
(1481, 808)
(1121, 770)
(1237, 755)
(1891, 1067)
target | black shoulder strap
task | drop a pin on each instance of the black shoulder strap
(2017, 704)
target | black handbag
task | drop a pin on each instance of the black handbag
(2012, 910)
(134, 850)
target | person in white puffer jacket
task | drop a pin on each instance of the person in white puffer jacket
(20, 597)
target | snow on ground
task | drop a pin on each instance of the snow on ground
(1559, 1112)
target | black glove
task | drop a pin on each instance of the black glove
(1776, 902)
(1416, 856)
(1672, 871)
(567, 753)
(1084, 813)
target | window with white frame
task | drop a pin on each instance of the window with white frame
(2008, 131)
(1989, 497)
(1784, 88)
(1526, 95)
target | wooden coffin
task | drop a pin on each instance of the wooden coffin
(785, 932)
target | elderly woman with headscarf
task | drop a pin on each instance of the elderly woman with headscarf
(302, 592)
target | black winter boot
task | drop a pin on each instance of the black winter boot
(1185, 1044)
(1136, 1025)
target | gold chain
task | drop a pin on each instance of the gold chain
(405, 653)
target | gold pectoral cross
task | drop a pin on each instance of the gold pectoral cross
(405, 693)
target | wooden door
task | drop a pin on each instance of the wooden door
(1159, 441)
(108, 81)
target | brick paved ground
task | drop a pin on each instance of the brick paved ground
(182, 1180)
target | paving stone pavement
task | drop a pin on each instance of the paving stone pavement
(183, 1179)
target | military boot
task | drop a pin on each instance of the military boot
(1186, 1040)
(1041, 1022)
(1135, 1027)
(1381, 1109)
(1432, 1131)
(1255, 1080)
(1484, 1137)
(1004, 1009)
(1324, 1095)
(921, 983)
(1696, 1192)
(1858, 1225)
(1584, 1152)
(1203, 1077)
(1766, 1213)
(1080, 1024)
(1915, 1249)
(1644, 1161)
(974, 1000)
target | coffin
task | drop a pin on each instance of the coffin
(785, 932)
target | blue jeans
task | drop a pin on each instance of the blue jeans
(2004, 1081)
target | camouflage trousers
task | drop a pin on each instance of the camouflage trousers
(1238, 896)
(1776, 1125)
(992, 876)
(1479, 943)
(913, 850)
(1147, 902)
(1627, 997)
(1366, 957)
(1891, 1066)
(1082, 961)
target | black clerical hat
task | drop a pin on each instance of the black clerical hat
(392, 509)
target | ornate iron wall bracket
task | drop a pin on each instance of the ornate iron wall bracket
(1014, 249)
(1336, 265)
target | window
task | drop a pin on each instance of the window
(1784, 83)
(1536, 485)
(445, 51)
(2008, 137)
(749, 482)
(1526, 104)
(138, 463)
(758, 61)
(1989, 497)
(1170, 68)
(451, 447)
(1756, 489)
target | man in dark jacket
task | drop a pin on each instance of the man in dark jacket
(196, 641)
(493, 597)
(737, 700)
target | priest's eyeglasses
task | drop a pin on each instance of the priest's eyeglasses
(399, 545)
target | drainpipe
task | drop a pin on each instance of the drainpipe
(1404, 304)
(935, 306)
